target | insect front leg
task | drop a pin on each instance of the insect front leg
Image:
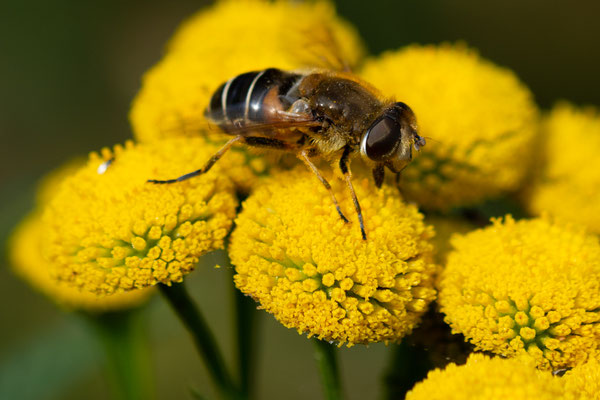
(348, 176)
(303, 155)
(206, 166)
(379, 175)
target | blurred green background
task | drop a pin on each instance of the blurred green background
(69, 71)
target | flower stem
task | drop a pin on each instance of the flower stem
(328, 368)
(205, 342)
(246, 344)
(123, 337)
(408, 365)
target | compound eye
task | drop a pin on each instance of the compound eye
(382, 139)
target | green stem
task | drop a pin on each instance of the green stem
(408, 365)
(205, 342)
(123, 337)
(246, 344)
(328, 368)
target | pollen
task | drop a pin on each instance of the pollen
(114, 231)
(294, 255)
(485, 378)
(528, 287)
(567, 183)
(480, 120)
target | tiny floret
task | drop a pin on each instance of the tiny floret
(115, 231)
(528, 287)
(296, 257)
(485, 378)
(27, 262)
(583, 381)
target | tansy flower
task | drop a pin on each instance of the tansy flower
(228, 39)
(480, 118)
(568, 182)
(109, 230)
(485, 378)
(296, 257)
(528, 287)
(583, 381)
(29, 264)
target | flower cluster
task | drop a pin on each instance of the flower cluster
(527, 287)
(528, 290)
(110, 230)
(315, 273)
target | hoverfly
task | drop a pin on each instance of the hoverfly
(314, 113)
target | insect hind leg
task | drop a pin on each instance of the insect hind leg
(216, 157)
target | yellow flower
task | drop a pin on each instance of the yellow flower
(49, 184)
(296, 257)
(568, 183)
(480, 118)
(111, 231)
(583, 381)
(228, 39)
(528, 287)
(485, 378)
(30, 265)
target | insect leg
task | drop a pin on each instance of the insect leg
(348, 175)
(398, 176)
(206, 167)
(378, 175)
(304, 157)
(259, 141)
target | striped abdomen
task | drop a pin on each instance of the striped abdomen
(251, 98)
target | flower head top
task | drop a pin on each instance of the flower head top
(531, 287)
(481, 119)
(485, 378)
(296, 257)
(109, 230)
(228, 39)
(568, 182)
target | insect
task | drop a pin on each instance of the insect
(314, 113)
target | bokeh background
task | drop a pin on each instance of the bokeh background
(68, 72)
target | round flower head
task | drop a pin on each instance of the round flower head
(480, 118)
(296, 257)
(228, 39)
(485, 378)
(528, 287)
(583, 381)
(109, 230)
(30, 265)
(568, 183)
